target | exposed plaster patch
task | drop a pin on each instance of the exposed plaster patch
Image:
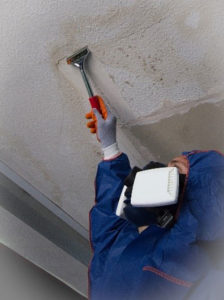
(168, 109)
(200, 128)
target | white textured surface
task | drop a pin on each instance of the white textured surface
(150, 57)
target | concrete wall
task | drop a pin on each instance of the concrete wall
(21, 280)
(43, 251)
(156, 63)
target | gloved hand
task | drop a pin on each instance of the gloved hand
(104, 125)
(105, 129)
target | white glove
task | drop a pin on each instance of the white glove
(106, 134)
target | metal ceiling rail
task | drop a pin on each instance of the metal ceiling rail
(28, 204)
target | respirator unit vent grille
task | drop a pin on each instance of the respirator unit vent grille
(172, 184)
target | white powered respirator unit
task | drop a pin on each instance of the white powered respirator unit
(152, 188)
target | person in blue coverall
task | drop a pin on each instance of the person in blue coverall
(184, 261)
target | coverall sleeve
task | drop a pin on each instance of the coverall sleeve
(104, 223)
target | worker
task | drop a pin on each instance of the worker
(150, 261)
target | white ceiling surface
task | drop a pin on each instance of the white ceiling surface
(156, 55)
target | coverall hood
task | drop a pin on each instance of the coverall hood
(204, 194)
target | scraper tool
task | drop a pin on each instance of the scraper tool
(78, 60)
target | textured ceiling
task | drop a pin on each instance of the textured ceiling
(150, 60)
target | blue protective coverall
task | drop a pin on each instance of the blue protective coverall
(159, 263)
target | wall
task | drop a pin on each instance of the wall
(21, 280)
